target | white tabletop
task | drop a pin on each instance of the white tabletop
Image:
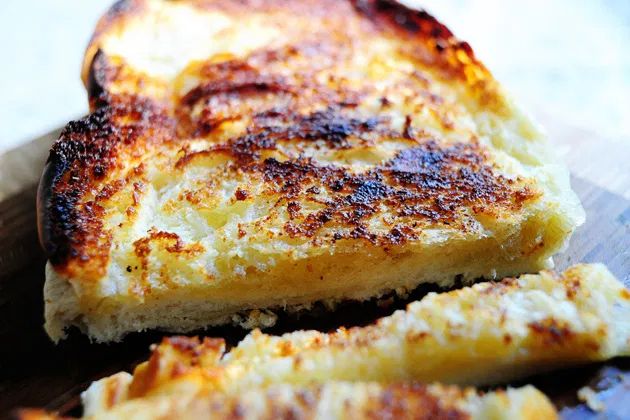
(566, 58)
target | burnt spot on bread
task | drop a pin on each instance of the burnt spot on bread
(331, 127)
(293, 208)
(241, 194)
(429, 183)
(429, 170)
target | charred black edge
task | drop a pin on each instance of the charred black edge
(56, 212)
(418, 22)
(120, 10)
(53, 170)
(96, 83)
(405, 17)
(44, 193)
(94, 74)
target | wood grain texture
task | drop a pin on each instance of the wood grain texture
(36, 373)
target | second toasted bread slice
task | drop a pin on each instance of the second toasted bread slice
(485, 334)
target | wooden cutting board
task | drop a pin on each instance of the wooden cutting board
(36, 373)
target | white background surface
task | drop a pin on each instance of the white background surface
(565, 58)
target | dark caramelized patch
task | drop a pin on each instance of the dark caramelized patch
(246, 81)
(449, 177)
(438, 46)
(427, 183)
(330, 126)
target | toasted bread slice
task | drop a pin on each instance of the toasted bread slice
(249, 155)
(333, 400)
